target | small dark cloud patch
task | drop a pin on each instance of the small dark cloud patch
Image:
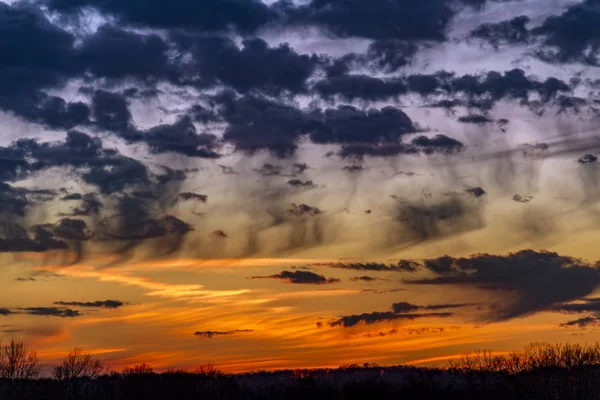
(441, 144)
(215, 334)
(353, 169)
(301, 210)
(476, 191)
(366, 278)
(169, 175)
(297, 183)
(512, 31)
(89, 205)
(91, 304)
(588, 159)
(476, 119)
(584, 322)
(300, 168)
(402, 266)
(219, 234)
(301, 277)
(376, 317)
(20, 279)
(187, 196)
(51, 312)
(5, 311)
(522, 199)
(226, 170)
(270, 170)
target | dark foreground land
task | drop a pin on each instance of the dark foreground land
(542, 372)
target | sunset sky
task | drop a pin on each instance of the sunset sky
(298, 184)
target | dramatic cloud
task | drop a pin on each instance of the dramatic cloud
(528, 281)
(301, 277)
(380, 19)
(213, 15)
(573, 35)
(506, 32)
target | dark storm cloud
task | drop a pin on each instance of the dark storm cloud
(104, 168)
(347, 124)
(89, 205)
(300, 277)
(14, 238)
(66, 228)
(35, 55)
(375, 317)
(213, 334)
(91, 304)
(378, 19)
(117, 54)
(363, 87)
(260, 124)
(180, 137)
(135, 222)
(573, 35)
(484, 90)
(531, 281)
(257, 124)
(111, 111)
(505, 32)
(255, 66)
(51, 312)
(13, 201)
(5, 311)
(211, 15)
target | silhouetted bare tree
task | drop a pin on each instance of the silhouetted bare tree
(78, 365)
(141, 369)
(18, 362)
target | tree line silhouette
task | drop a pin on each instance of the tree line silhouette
(540, 371)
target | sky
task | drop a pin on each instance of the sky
(298, 184)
